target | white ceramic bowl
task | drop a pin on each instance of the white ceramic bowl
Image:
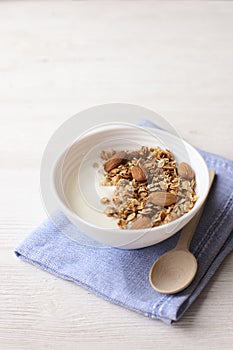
(123, 137)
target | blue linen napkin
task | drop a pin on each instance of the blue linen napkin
(121, 276)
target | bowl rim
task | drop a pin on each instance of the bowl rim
(75, 216)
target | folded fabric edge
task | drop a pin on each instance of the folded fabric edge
(216, 159)
(20, 254)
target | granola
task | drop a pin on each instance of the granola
(150, 188)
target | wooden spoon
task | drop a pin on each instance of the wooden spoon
(176, 269)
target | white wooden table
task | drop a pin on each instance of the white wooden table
(57, 58)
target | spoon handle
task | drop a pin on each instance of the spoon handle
(188, 231)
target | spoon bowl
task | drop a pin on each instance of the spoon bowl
(173, 271)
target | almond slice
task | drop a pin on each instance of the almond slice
(162, 199)
(185, 171)
(142, 222)
(138, 174)
(114, 161)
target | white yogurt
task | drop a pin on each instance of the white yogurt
(84, 194)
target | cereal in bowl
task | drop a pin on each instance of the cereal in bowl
(151, 189)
